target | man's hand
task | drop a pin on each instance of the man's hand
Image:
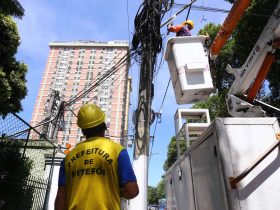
(168, 27)
(130, 190)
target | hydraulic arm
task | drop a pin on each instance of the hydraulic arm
(250, 77)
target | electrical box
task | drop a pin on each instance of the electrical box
(189, 68)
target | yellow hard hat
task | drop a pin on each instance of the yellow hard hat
(90, 116)
(190, 23)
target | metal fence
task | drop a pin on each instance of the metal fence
(20, 157)
(22, 194)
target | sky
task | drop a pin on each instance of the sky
(46, 21)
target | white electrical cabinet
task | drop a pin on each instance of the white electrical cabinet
(189, 68)
(226, 169)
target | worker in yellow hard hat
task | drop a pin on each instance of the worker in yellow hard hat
(183, 29)
(97, 172)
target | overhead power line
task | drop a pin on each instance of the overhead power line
(160, 110)
(185, 6)
(105, 76)
(212, 9)
(203, 8)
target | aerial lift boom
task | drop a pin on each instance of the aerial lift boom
(228, 26)
(250, 77)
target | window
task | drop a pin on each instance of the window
(66, 139)
(57, 87)
(59, 81)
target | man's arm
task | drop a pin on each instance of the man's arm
(128, 182)
(60, 199)
(175, 28)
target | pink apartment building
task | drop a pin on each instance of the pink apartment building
(73, 67)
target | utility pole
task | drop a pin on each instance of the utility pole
(49, 111)
(53, 117)
(147, 27)
(142, 140)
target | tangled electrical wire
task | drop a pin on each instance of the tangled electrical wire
(147, 37)
(147, 43)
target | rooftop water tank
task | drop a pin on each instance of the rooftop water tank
(189, 68)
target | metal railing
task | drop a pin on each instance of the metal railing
(27, 194)
(19, 190)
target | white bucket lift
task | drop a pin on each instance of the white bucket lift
(189, 124)
(189, 68)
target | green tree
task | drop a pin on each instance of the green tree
(221, 78)
(247, 33)
(152, 195)
(161, 192)
(12, 73)
(156, 193)
(11, 7)
(216, 105)
(273, 97)
(14, 170)
(172, 152)
(11, 160)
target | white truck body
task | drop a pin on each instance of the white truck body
(199, 179)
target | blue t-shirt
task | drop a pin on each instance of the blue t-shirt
(126, 173)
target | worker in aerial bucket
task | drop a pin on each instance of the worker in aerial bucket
(97, 172)
(184, 29)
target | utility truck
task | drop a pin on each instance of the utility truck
(231, 163)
